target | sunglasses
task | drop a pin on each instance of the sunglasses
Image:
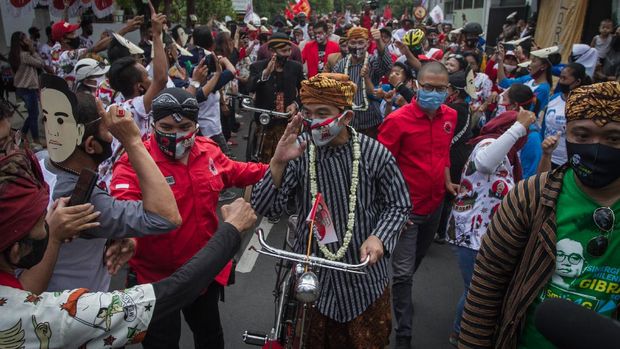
(605, 219)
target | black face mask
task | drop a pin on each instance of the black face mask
(104, 155)
(74, 43)
(596, 165)
(35, 256)
(564, 88)
(281, 60)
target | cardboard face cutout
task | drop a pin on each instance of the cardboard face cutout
(59, 106)
(182, 36)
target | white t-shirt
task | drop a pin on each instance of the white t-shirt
(143, 120)
(149, 70)
(555, 121)
(209, 115)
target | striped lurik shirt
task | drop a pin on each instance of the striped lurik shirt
(382, 209)
(379, 64)
(515, 261)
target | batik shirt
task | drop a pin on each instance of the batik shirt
(379, 65)
(63, 62)
(382, 208)
(478, 198)
(74, 318)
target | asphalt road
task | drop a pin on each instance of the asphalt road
(250, 306)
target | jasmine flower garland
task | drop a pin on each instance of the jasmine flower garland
(352, 197)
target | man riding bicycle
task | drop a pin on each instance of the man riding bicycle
(276, 82)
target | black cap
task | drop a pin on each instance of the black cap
(458, 80)
(472, 28)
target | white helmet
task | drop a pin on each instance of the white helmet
(89, 68)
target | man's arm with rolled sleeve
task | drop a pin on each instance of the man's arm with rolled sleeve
(239, 174)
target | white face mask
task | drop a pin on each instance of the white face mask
(325, 130)
(509, 68)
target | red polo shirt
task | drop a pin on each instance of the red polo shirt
(421, 147)
(196, 188)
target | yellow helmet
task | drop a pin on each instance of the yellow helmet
(413, 37)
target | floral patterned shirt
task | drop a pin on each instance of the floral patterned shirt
(63, 61)
(478, 199)
(75, 318)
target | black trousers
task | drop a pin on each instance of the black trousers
(203, 318)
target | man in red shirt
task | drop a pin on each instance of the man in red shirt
(196, 170)
(419, 136)
(315, 52)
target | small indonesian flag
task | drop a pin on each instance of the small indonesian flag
(323, 227)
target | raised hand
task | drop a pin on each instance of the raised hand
(134, 23)
(288, 149)
(526, 117)
(201, 72)
(158, 20)
(551, 143)
(121, 125)
(270, 66)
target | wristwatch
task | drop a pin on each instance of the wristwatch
(194, 84)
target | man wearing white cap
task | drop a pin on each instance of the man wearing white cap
(89, 73)
(66, 52)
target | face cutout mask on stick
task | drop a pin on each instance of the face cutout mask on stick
(62, 130)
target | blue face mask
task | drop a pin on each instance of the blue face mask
(431, 101)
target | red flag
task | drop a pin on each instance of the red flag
(302, 6)
(288, 12)
(387, 12)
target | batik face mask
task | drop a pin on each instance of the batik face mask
(325, 130)
(175, 145)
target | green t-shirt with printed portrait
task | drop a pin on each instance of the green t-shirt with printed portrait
(592, 282)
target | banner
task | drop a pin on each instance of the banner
(17, 7)
(101, 8)
(560, 22)
(436, 15)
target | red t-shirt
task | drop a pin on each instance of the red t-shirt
(10, 280)
(196, 188)
(421, 147)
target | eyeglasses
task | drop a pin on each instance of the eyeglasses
(605, 219)
(573, 258)
(431, 88)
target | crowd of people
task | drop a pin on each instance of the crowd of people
(412, 133)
